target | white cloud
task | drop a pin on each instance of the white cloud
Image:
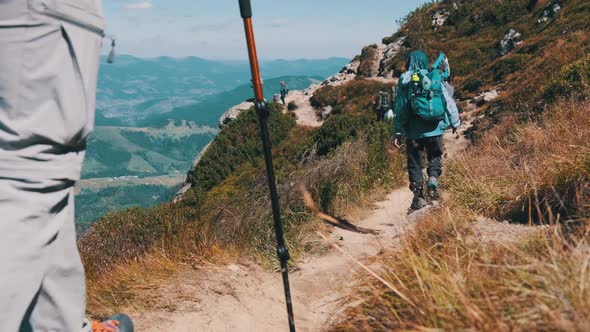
(278, 23)
(139, 5)
(212, 26)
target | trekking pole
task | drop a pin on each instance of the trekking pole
(263, 113)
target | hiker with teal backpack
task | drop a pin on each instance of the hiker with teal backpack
(383, 105)
(424, 109)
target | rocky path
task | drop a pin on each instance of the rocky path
(306, 114)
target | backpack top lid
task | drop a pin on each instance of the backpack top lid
(416, 64)
(417, 60)
(426, 80)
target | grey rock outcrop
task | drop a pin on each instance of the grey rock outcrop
(347, 73)
(390, 52)
(326, 112)
(187, 185)
(486, 97)
(232, 113)
(439, 18)
(510, 41)
(550, 12)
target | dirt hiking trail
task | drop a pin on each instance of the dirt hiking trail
(248, 298)
(306, 114)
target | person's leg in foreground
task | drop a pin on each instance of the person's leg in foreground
(49, 54)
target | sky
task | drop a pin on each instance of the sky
(284, 29)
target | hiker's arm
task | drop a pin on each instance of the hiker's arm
(400, 119)
(452, 110)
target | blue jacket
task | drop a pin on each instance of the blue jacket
(406, 123)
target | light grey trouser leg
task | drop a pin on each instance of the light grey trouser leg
(41, 276)
(48, 70)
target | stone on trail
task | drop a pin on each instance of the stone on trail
(510, 41)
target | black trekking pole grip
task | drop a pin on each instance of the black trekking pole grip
(245, 8)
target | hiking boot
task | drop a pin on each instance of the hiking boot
(106, 326)
(116, 323)
(419, 202)
(433, 188)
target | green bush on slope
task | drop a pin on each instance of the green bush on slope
(237, 143)
(572, 81)
(337, 130)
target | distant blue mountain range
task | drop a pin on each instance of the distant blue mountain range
(132, 89)
(155, 115)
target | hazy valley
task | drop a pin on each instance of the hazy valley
(155, 115)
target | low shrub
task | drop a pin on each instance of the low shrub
(572, 81)
(509, 65)
(291, 106)
(472, 85)
(237, 143)
(337, 129)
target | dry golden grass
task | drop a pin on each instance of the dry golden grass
(125, 285)
(528, 172)
(128, 253)
(134, 285)
(454, 282)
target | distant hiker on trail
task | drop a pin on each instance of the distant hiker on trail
(383, 105)
(284, 92)
(423, 111)
(49, 57)
(389, 114)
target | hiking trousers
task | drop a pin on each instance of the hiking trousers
(49, 55)
(42, 286)
(417, 150)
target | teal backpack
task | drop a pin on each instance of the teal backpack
(426, 95)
